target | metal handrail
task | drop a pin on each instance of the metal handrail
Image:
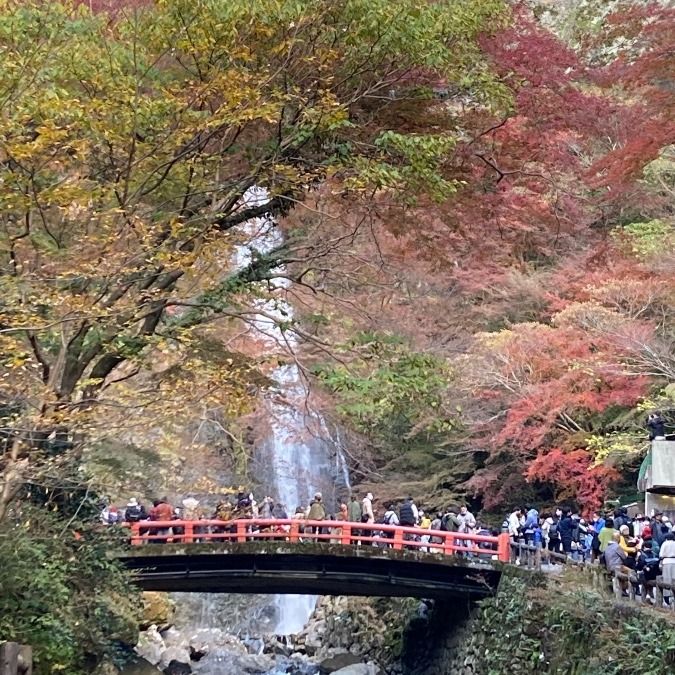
(346, 533)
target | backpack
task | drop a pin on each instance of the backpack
(133, 514)
(553, 530)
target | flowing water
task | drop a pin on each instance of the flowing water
(300, 457)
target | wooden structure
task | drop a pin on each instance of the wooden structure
(15, 659)
(314, 557)
(345, 533)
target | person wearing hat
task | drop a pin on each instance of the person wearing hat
(134, 511)
(367, 515)
(316, 511)
(190, 505)
(648, 541)
(629, 544)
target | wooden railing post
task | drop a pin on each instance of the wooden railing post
(346, 535)
(398, 539)
(449, 544)
(293, 534)
(189, 535)
(503, 547)
(135, 534)
(241, 531)
(658, 595)
(15, 659)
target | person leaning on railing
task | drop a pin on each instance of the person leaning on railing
(615, 559)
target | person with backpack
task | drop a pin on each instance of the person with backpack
(647, 566)
(408, 513)
(551, 534)
(531, 523)
(389, 518)
(516, 523)
(134, 512)
(649, 541)
(449, 521)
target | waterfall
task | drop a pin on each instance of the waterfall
(302, 456)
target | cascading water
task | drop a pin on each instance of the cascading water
(301, 455)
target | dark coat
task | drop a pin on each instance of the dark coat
(406, 514)
(656, 427)
(566, 528)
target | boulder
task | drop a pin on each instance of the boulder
(139, 667)
(178, 668)
(158, 609)
(174, 654)
(174, 638)
(220, 660)
(360, 669)
(335, 663)
(207, 639)
(150, 645)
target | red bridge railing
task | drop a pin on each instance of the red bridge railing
(346, 533)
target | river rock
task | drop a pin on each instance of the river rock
(151, 645)
(177, 668)
(206, 639)
(177, 654)
(139, 667)
(337, 662)
(175, 638)
(358, 669)
(158, 609)
(220, 661)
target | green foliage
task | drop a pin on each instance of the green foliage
(409, 162)
(508, 649)
(648, 240)
(569, 631)
(390, 391)
(616, 448)
(62, 594)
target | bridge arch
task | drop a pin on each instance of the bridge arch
(314, 557)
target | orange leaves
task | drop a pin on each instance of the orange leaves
(574, 477)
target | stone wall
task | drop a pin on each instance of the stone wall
(562, 626)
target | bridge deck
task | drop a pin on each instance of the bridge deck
(309, 568)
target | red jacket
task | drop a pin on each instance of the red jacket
(161, 512)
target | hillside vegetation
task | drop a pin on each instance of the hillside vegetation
(477, 203)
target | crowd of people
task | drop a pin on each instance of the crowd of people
(644, 545)
(356, 510)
